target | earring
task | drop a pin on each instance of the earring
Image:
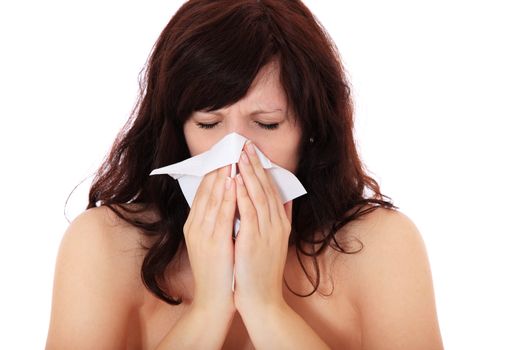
(312, 140)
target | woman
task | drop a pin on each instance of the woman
(141, 270)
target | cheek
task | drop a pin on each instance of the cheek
(282, 154)
(197, 142)
(197, 146)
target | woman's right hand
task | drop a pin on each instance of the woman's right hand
(208, 235)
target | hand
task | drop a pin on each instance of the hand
(261, 246)
(208, 235)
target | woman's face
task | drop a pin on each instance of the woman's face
(261, 116)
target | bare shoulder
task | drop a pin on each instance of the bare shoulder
(101, 225)
(98, 234)
(97, 282)
(382, 228)
(392, 282)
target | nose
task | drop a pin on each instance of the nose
(243, 132)
(236, 119)
(239, 125)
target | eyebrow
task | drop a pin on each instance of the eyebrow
(258, 111)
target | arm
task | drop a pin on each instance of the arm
(280, 327)
(97, 289)
(199, 328)
(395, 293)
(260, 253)
(207, 233)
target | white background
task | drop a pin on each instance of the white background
(439, 94)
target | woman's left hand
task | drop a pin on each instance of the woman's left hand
(261, 245)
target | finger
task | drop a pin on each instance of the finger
(226, 215)
(255, 191)
(209, 216)
(247, 212)
(274, 200)
(200, 199)
(276, 195)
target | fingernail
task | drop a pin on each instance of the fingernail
(228, 183)
(250, 147)
(244, 158)
(239, 179)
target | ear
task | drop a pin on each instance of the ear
(288, 210)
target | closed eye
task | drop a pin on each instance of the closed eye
(262, 125)
(206, 126)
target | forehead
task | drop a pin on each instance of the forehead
(266, 91)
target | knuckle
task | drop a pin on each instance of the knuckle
(207, 219)
(261, 202)
(228, 199)
(224, 215)
(222, 224)
(213, 201)
(259, 199)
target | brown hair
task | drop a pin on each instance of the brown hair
(206, 58)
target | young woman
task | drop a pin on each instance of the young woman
(334, 268)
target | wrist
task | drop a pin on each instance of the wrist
(260, 311)
(214, 309)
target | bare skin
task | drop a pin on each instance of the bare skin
(382, 298)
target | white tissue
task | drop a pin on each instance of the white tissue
(191, 171)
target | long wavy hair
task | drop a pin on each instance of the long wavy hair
(206, 58)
